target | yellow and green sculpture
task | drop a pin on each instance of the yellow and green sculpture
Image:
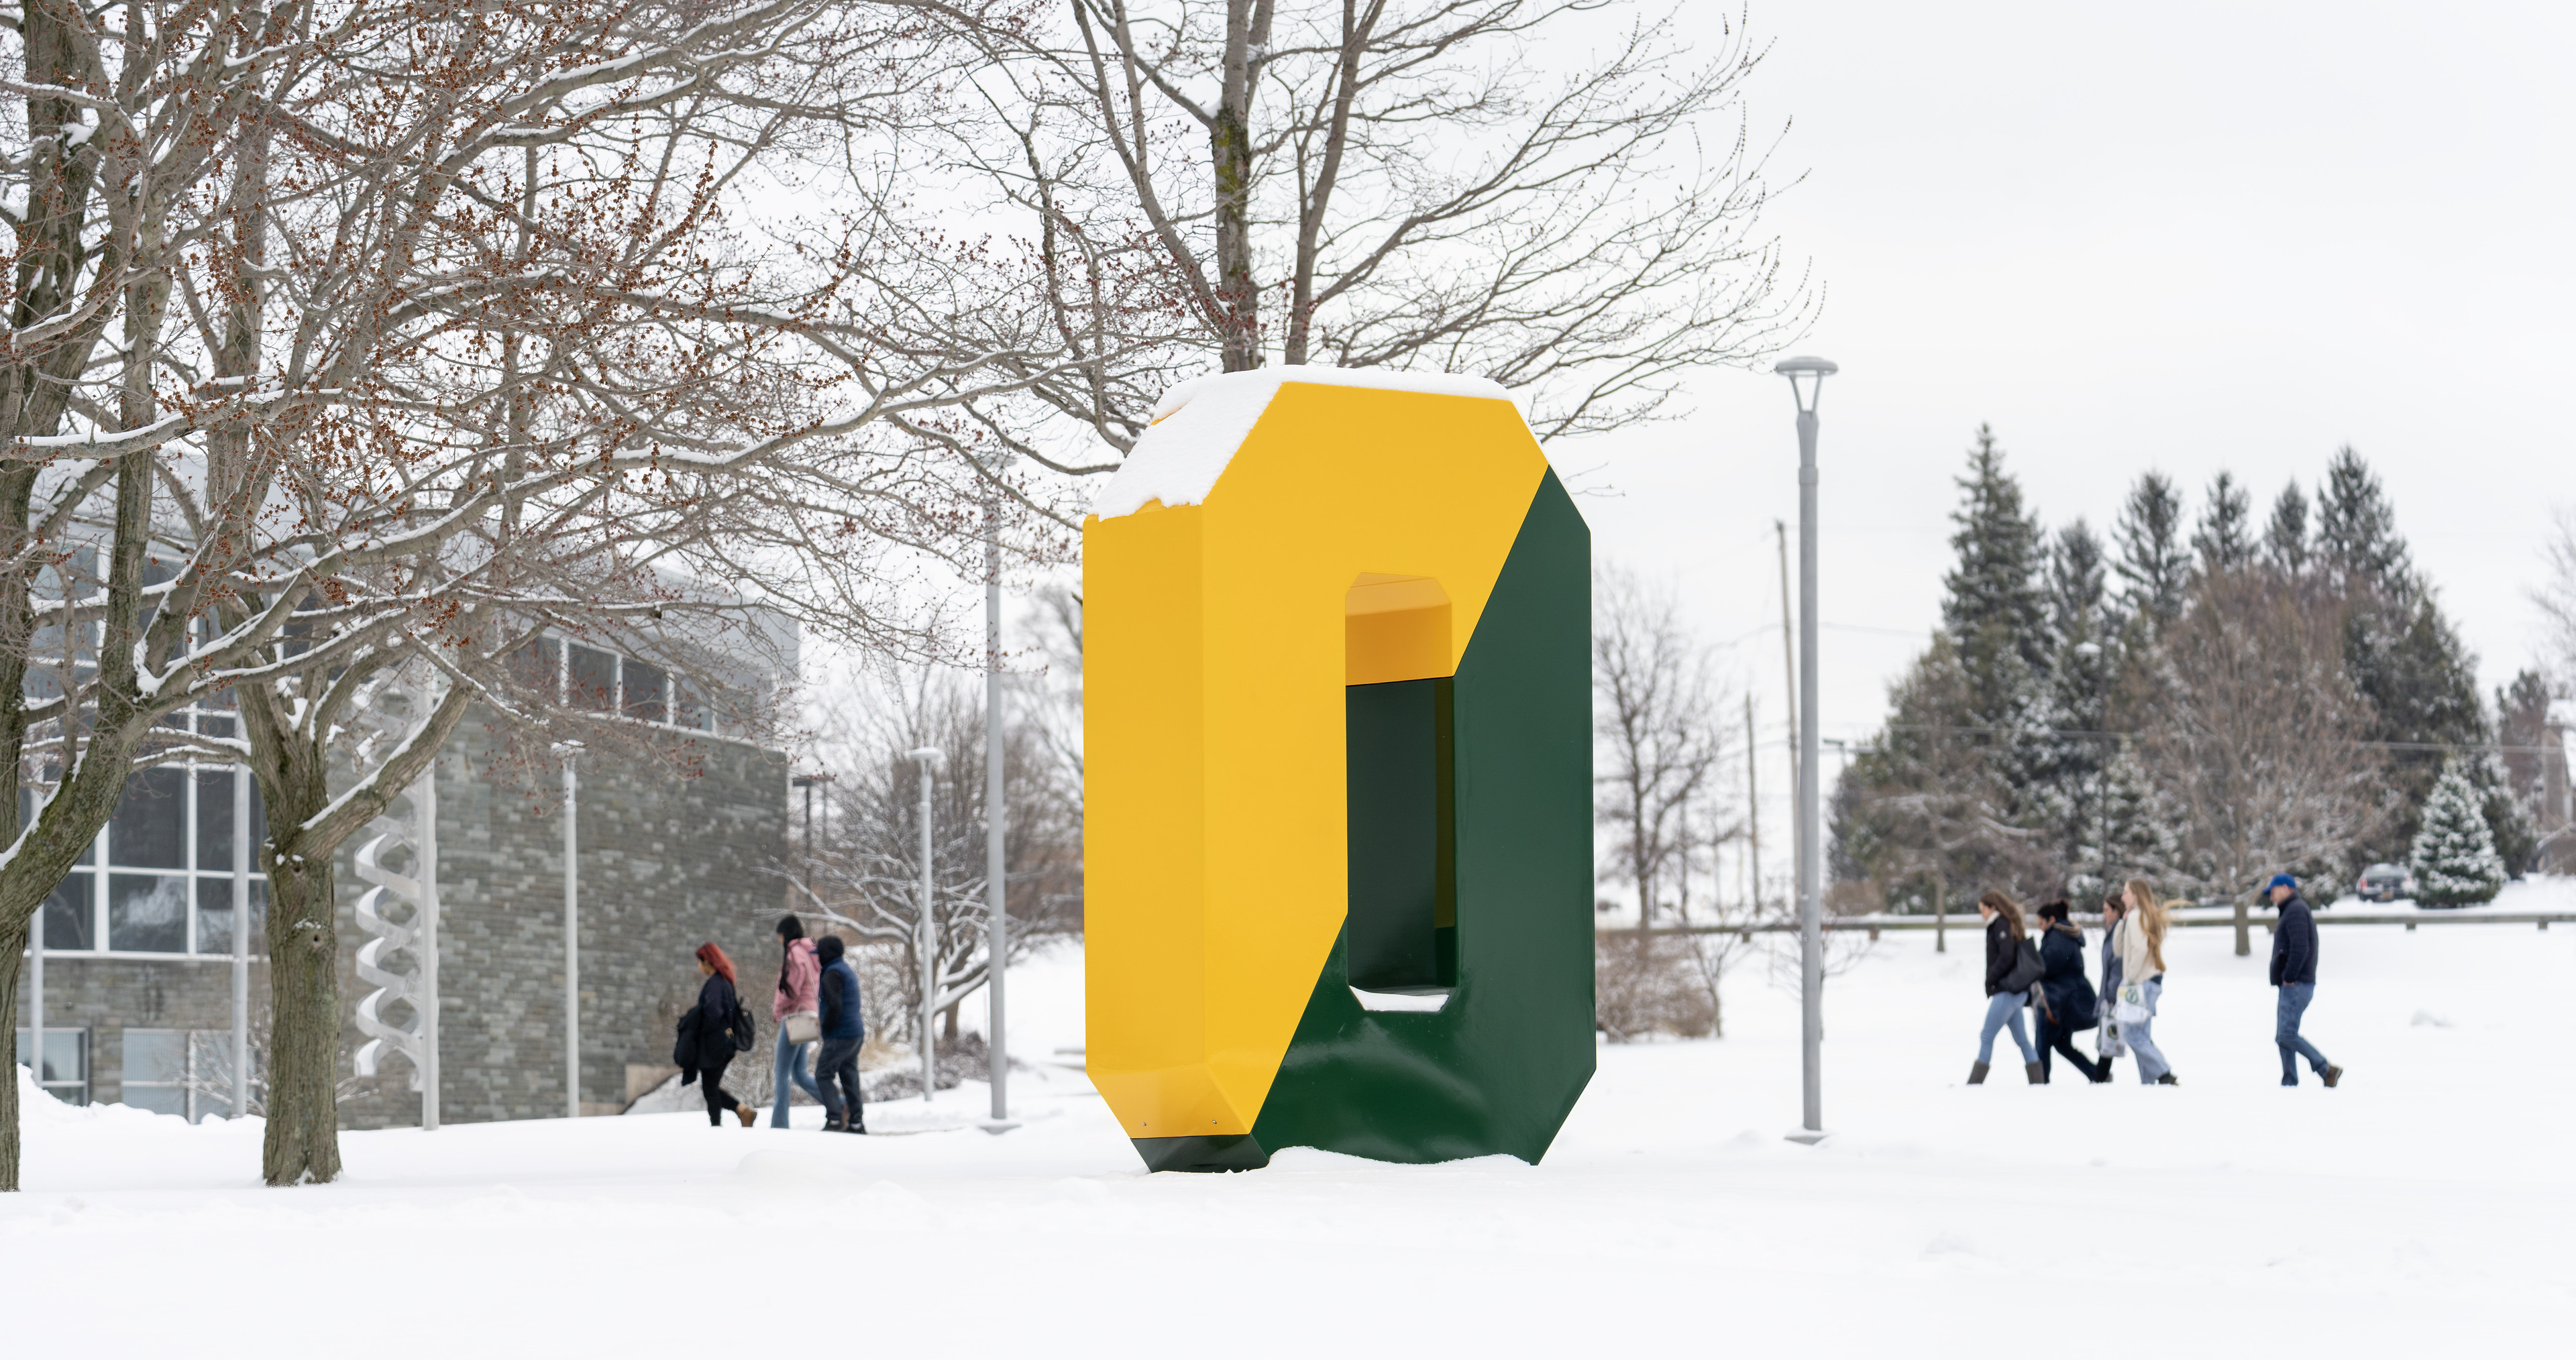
(1338, 841)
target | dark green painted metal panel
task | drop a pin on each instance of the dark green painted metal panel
(1498, 1067)
(1403, 888)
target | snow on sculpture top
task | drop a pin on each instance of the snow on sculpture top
(1199, 424)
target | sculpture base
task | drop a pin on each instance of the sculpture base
(1209, 1152)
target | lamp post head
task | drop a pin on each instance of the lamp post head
(926, 756)
(1806, 374)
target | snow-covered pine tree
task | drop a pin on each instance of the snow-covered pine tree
(1993, 605)
(2154, 569)
(2128, 834)
(2455, 859)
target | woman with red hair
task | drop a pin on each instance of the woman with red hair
(711, 1033)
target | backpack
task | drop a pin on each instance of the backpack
(740, 1028)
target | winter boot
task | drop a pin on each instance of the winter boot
(833, 1124)
(747, 1116)
(1977, 1075)
(2331, 1075)
(2167, 1080)
(2037, 1077)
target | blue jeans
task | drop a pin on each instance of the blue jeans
(2295, 997)
(789, 1059)
(2004, 1008)
(2141, 1038)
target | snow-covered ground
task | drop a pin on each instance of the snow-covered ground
(2423, 1208)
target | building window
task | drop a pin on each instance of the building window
(605, 682)
(65, 1075)
(168, 881)
(155, 1075)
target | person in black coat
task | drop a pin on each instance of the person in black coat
(2066, 1002)
(2294, 971)
(706, 1041)
(2008, 984)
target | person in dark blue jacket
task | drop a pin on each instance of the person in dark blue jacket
(2066, 1006)
(2294, 971)
(836, 1066)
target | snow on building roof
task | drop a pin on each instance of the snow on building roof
(1199, 424)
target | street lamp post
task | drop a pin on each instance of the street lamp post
(925, 757)
(1806, 377)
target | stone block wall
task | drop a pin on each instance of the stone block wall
(665, 862)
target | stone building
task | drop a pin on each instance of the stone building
(137, 976)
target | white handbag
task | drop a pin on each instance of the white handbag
(2132, 1008)
(804, 1027)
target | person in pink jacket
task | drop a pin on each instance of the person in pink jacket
(794, 1008)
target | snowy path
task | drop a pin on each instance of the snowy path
(2424, 1205)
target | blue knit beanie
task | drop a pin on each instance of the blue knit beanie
(2282, 881)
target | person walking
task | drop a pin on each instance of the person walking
(706, 1045)
(2294, 972)
(2066, 1006)
(844, 1029)
(799, 1023)
(2012, 969)
(2140, 942)
(2106, 1041)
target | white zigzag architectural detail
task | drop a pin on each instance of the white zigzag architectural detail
(399, 911)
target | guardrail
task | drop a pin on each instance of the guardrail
(2331, 916)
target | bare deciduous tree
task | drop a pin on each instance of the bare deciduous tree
(2251, 730)
(865, 873)
(1428, 184)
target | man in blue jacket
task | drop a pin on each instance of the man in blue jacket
(836, 1065)
(2294, 971)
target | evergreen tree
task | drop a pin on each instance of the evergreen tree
(1994, 606)
(2357, 530)
(2401, 652)
(2285, 540)
(2224, 541)
(2454, 856)
(2127, 834)
(2154, 572)
(2061, 759)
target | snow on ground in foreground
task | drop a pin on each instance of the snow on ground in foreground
(2421, 1208)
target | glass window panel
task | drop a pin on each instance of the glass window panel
(594, 678)
(221, 701)
(215, 819)
(63, 1049)
(538, 666)
(70, 922)
(150, 830)
(156, 1055)
(214, 916)
(173, 722)
(214, 725)
(258, 915)
(158, 1099)
(147, 913)
(645, 689)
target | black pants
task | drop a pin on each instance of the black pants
(836, 1071)
(720, 1101)
(2053, 1038)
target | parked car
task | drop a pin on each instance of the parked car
(2384, 883)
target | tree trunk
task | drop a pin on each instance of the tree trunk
(13, 942)
(2244, 939)
(303, 969)
(1940, 914)
(1230, 153)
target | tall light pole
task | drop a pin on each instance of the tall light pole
(1807, 383)
(925, 757)
(997, 922)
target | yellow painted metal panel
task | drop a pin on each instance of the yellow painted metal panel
(1214, 673)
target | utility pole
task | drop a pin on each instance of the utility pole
(1753, 806)
(1789, 689)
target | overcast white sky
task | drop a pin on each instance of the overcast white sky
(2187, 236)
